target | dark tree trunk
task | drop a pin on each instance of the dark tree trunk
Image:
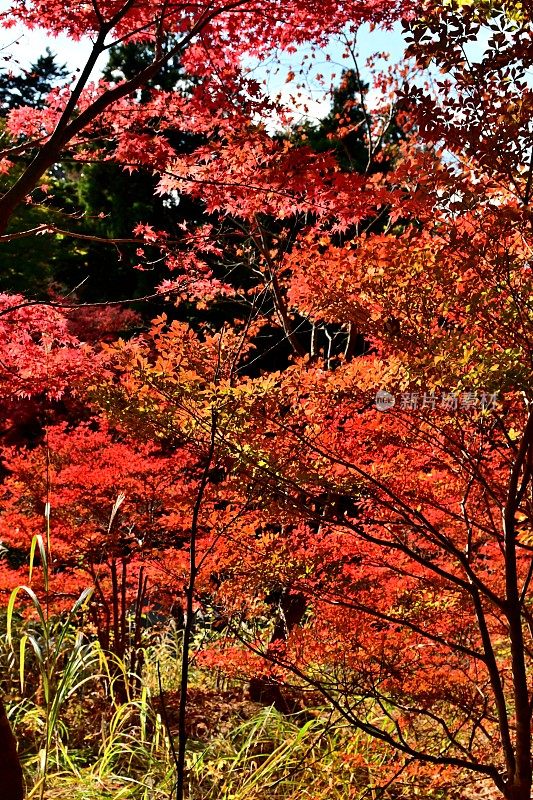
(292, 607)
(11, 782)
(261, 689)
(518, 792)
(190, 614)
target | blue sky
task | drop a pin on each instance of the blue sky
(26, 45)
(329, 63)
(21, 47)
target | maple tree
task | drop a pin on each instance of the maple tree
(408, 532)
(395, 540)
(175, 29)
(108, 510)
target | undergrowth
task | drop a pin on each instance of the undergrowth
(89, 728)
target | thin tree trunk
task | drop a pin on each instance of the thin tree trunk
(519, 785)
(189, 618)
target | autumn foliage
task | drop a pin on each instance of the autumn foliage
(324, 441)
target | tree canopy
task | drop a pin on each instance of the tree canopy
(324, 439)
